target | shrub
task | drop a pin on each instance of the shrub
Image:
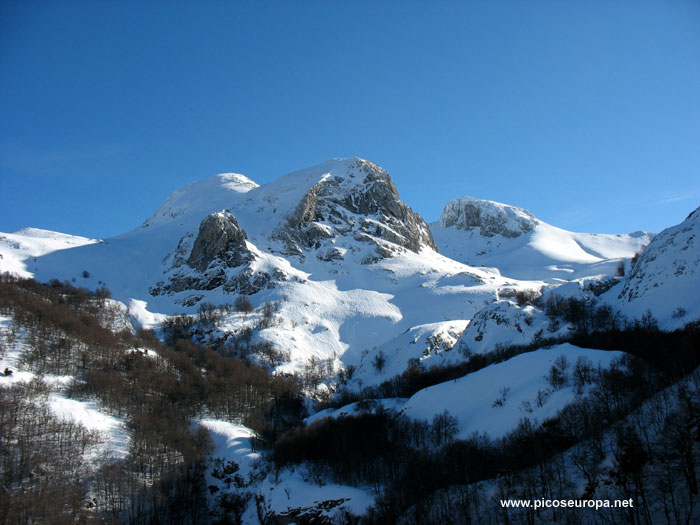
(620, 270)
(635, 258)
(525, 297)
(208, 315)
(268, 314)
(678, 313)
(557, 376)
(379, 361)
(243, 304)
(503, 395)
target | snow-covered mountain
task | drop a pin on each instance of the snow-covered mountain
(352, 289)
(496, 398)
(485, 233)
(355, 272)
(351, 266)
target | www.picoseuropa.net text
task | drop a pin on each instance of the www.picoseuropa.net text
(567, 503)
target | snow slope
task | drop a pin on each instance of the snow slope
(485, 233)
(473, 399)
(504, 323)
(113, 433)
(665, 279)
(283, 491)
(19, 250)
(423, 345)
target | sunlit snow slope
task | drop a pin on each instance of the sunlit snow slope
(665, 279)
(485, 233)
(19, 250)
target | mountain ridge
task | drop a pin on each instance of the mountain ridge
(337, 230)
(480, 232)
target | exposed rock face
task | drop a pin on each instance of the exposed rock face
(369, 209)
(219, 257)
(246, 281)
(220, 241)
(491, 218)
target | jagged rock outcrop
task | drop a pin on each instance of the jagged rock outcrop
(491, 218)
(245, 282)
(220, 241)
(365, 205)
(219, 257)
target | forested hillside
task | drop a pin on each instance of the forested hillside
(54, 469)
(631, 431)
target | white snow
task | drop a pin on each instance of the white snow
(428, 344)
(666, 278)
(471, 398)
(12, 360)
(282, 491)
(139, 313)
(232, 442)
(115, 436)
(504, 323)
(541, 252)
(19, 250)
(201, 197)
(113, 433)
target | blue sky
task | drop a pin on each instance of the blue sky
(586, 113)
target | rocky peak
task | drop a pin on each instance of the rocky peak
(363, 202)
(376, 194)
(491, 218)
(220, 240)
(219, 257)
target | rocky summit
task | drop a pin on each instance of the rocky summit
(489, 218)
(360, 201)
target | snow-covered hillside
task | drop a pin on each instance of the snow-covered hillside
(665, 278)
(358, 277)
(495, 399)
(285, 489)
(485, 233)
(351, 266)
(112, 434)
(19, 250)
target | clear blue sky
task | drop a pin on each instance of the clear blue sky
(586, 113)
